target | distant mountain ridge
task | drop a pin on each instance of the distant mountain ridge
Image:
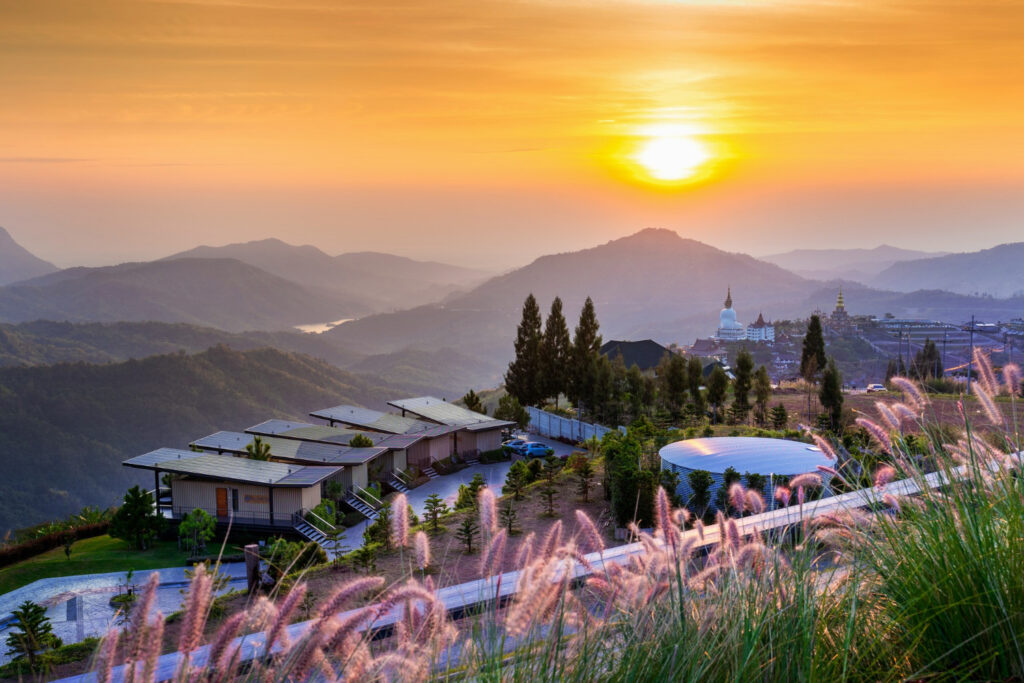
(222, 293)
(18, 263)
(997, 272)
(859, 265)
(378, 282)
(64, 429)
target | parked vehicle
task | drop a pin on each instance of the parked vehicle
(535, 449)
(513, 444)
(872, 388)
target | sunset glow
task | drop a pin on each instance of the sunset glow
(144, 127)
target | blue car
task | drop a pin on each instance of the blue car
(534, 449)
(514, 444)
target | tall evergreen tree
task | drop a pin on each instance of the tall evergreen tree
(812, 358)
(586, 349)
(672, 376)
(695, 378)
(555, 352)
(718, 385)
(762, 393)
(524, 377)
(742, 384)
(472, 402)
(927, 362)
(831, 394)
(31, 633)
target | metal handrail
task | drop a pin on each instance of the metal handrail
(402, 476)
(365, 497)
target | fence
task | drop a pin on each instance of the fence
(557, 427)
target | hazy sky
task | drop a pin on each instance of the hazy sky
(489, 132)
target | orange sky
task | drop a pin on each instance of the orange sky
(443, 128)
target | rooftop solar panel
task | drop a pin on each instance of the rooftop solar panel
(441, 411)
(160, 455)
(303, 431)
(290, 449)
(379, 421)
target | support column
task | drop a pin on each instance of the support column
(270, 498)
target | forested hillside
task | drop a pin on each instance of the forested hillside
(64, 429)
(45, 342)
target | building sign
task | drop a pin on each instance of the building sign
(257, 498)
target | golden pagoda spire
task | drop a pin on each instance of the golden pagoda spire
(840, 304)
(728, 298)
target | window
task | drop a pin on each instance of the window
(234, 499)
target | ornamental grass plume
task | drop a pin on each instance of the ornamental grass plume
(992, 412)
(884, 475)
(493, 558)
(400, 521)
(754, 502)
(348, 592)
(488, 511)
(911, 391)
(824, 445)
(422, 545)
(197, 610)
(986, 376)
(737, 497)
(889, 419)
(285, 611)
(662, 510)
(783, 494)
(880, 436)
(589, 532)
(1012, 379)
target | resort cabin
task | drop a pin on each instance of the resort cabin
(437, 441)
(406, 449)
(358, 466)
(256, 493)
(477, 433)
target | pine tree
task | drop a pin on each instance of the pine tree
(549, 490)
(467, 532)
(831, 394)
(525, 374)
(584, 480)
(586, 347)
(555, 352)
(695, 378)
(718, 384)
(700, 483)
(31, 633)
(434, 508)
(136, 521)
(741, 385)
(258, 449)
(780, 417)
(517, 479)
(508, 516)
(674, 381)
(927, 362)
(509, 408)
(762, 393)
(472, 402)
(812, 357)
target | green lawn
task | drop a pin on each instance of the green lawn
(91, 556)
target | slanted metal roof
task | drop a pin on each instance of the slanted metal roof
(161, 455)
(376, 420)
(303, 431)
(231, 468)
(291, 449)
(442, 412)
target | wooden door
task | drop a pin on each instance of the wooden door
(222, 502)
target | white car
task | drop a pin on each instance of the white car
(872, 388)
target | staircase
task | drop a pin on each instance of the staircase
(431, 472)
(310, 532)
(398, 485)
(361, 506)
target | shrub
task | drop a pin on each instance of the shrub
(11, 554)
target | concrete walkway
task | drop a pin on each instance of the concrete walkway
(79, 606)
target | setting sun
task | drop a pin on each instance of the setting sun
(672, 158)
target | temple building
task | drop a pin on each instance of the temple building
(729, 329)
(839, 321)
(761, 331)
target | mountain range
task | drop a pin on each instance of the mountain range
(994, 272)
(18, 263)
(858, 265)
(376, 282)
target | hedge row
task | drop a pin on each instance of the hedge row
(9, 554)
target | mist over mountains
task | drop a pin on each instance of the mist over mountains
(18, 263)
(859, 265)
(653, 284)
